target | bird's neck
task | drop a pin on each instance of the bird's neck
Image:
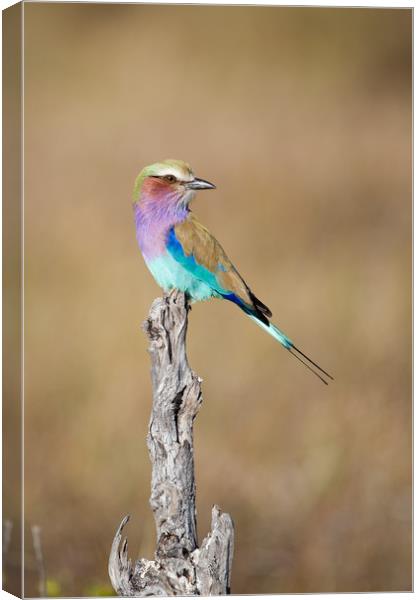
(153, 221)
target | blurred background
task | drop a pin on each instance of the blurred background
(302, 117)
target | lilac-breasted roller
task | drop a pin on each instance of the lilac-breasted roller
(181, 253)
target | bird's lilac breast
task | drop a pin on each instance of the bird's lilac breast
(151, 239)
(152, 227)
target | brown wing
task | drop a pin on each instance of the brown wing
(198, 242)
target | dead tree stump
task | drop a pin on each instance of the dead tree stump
(180, 567)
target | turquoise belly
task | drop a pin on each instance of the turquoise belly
(169, 274)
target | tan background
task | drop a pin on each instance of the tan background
(302, 117)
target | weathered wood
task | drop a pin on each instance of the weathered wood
(180, 567)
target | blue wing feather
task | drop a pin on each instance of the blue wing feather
(188, 262)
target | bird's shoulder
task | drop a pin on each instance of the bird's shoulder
(197, 241)
(193, 245)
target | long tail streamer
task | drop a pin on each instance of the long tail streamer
(296, 352)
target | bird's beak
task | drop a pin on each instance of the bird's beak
(200, 184)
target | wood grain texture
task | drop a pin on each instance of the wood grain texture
(179, 567)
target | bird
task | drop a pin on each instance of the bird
(182, 254)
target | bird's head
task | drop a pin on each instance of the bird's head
(168, 181)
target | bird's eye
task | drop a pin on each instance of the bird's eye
(170, 178)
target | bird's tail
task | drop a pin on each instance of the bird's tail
(289, 345)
